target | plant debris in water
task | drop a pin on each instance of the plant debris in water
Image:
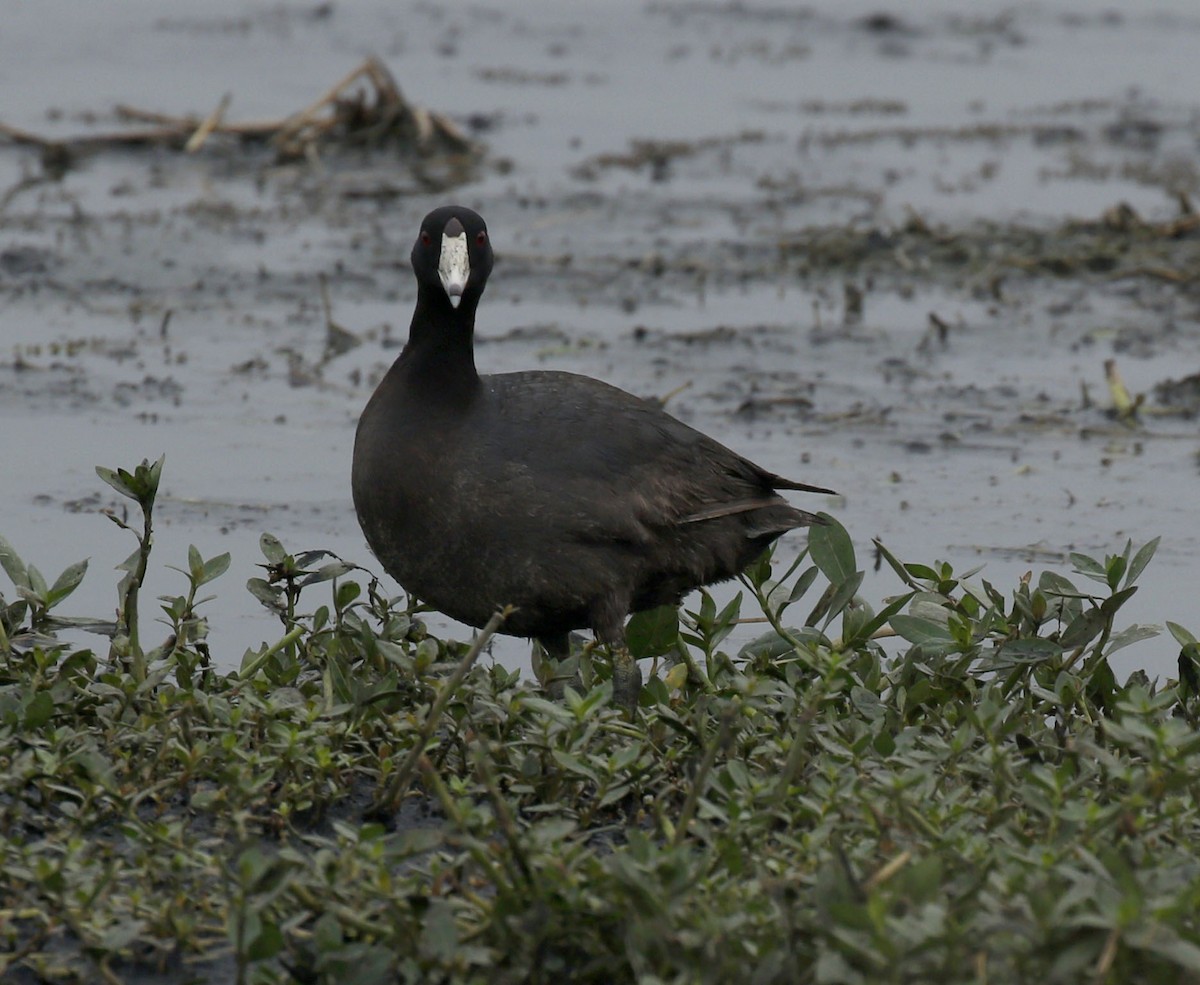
(364, 109)
(980, 801)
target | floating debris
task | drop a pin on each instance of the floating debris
(1125, 405)
(1180, 397)
(364, 109)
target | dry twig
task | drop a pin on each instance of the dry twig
(344, 114)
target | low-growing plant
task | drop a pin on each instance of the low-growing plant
(950, 787)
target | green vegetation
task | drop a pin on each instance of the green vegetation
(980, 802)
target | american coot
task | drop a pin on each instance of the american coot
(574, 501)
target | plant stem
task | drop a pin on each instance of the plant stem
(287, 640)
(398, 786)
(701, 777)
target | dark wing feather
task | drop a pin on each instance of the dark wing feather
(646, 472)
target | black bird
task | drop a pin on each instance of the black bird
(571, 500)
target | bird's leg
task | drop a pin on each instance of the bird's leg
(542, 660)
(626, 679)
(555, 672)
(608, 623)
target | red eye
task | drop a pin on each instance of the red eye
(481, 238)
(426, 239)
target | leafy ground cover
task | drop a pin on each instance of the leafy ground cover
(950, 786)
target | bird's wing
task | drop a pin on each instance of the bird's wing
(636, 468)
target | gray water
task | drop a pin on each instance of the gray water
(978, 451)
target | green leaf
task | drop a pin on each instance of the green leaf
(1140, 560)
(855, 616)
(37, 583)
(832, 550)
(140, 485)
(1115, 570)
(1102, 684)
(1175, 949)
(835, 599)
(867, 703)
(213, 568)
(864, 633)
(195, 562)
(1189, 661)
(327, 572)
(1182, 636)
(573, 764)
(130, 563)
(417, 841)
(39, 709)
(347, 592)
(327, 933)
(269, 595)
(768, 646)
(120, 480)
(1083, 629)
(339, 680)
(267, 943)
(1090, 568)
(13, 566)
(1111, 604)
(923, 572)
(550, 709)
(1052, 583)
(759, 570)
(121, 934)
(205, 800)
(1025, 651)
(801, 586)
(245, 923)
(1130, 635)
(306, 559)
(66, 583)
(272, 548)
(653, 632)
(152, 474)
(439, 939)
(729, 615)
(895, 564)
(915, 629)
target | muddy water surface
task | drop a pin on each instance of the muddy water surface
(679, 194)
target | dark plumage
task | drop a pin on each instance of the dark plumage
(574, 501)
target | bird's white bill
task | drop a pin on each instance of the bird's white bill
(454, 266)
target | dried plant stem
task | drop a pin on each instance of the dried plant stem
(397, 788)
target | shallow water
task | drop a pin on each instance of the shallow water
(649, 267)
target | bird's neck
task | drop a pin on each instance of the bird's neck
(439, 360)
